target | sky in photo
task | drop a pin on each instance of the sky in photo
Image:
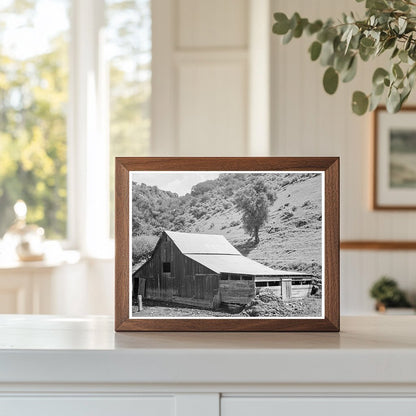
(178, 182)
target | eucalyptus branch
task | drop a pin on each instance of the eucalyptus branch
(389, 25)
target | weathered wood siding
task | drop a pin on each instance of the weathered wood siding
(301, 291)
(289, 287)
(187, 283)
(238, 292)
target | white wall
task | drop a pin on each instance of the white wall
(308, 122)
(202, 83)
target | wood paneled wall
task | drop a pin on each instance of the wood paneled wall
(201, 77)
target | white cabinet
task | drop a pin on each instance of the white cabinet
(272, 406)
(80, 366)
(88, 406)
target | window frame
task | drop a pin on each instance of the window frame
(87, 133)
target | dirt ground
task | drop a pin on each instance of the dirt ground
(259, 307)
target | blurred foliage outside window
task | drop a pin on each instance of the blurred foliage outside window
(129, 51)
(34, 73)
(33, 100)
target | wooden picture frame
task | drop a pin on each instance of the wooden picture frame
(324, 168)
(394, 184)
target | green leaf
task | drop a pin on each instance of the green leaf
(408, 42)
(379, 75)
(294, 20)
(351, 71)
(376, 4)
(378, 89)
(367, 42)
(389, 43)
(341, 61)
(403, 56)
(288, 37)
(404, 95)
(322, 36)
(315, 50)
(359, 103)
(327, 53)
(374, 102)
(314, 27)
(400, 5)
(393, 101)
(395, 52)
(330, 80)
(281, 27)
(397, 71)
(402, 24)
(298, 30)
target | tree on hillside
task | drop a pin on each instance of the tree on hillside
(254, 201)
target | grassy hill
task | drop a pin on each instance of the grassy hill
(290, 240)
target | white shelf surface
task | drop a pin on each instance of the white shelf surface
(53, 349)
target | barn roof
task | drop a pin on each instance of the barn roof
(190, 243)
(237, 264)
(217, 254)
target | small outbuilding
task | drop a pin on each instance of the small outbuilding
(206, 271)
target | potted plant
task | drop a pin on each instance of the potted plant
(387, 294)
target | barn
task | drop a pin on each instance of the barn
(206, 271)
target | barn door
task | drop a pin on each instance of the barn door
(286, 289)
(142, 287)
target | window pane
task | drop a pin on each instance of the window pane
(33, 100)
(129, 46)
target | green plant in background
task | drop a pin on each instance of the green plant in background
(387, 293)
(389, 27)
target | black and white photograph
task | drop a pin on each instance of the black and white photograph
(226, 244)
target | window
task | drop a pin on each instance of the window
(166, 267)
(235, 277)
(261, 284)
(129, 45)
(224, 277)
(75, 87)
(34, 72)
(296, 282)
(274, 283)
(247, 277)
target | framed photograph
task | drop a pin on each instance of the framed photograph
(227, 244)
(394, 179)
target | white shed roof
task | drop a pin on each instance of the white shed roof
(237, 264)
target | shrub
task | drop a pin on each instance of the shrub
(300, 223)
(142, 247)
(286, 215)
(386, 291)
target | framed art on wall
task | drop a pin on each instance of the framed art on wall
(394, 159)
(227, 244)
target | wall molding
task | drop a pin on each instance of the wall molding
(377, 245)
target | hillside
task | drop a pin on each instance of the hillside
(291, 238)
